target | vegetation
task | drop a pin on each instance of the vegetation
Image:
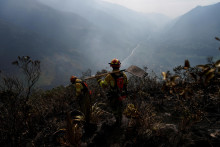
(180, 110)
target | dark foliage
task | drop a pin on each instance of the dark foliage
(180, 110)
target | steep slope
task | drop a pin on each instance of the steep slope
(198, 26)
(103, 14)
(118, 25)
(71, 36)
(56, 38)
(69, 41)
(17, 41)
(191, 36)
(46, 21)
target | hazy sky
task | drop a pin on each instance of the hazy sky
(172, 8)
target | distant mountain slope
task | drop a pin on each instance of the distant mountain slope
(17, 41)
(119, 29)
(199, 23)
(46, 21)
(103, 14)
(66, 42)
(89, 33)
(56, 38)
(194, 32)
(191, 37)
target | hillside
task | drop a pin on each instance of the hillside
(67, 42)
(191, 36)
(180, 110)
(200, 25)
(41, 32)
(71, 37)
(121, 28)
(44, 42)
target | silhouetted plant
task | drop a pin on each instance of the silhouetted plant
(190, 98)
(15, 92)
(31, 70)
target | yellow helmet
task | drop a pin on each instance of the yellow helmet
(73, 79)
(115, 63)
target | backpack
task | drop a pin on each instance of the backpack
(119, 87)
(85, 87)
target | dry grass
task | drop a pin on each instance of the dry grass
(173, 112)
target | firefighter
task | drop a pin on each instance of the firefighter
(117, 83)
(83, 97)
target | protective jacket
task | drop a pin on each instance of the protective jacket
(84, 97)
(117, 82)
(118, 91)
(81, 87)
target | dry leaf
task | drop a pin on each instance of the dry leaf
(15, 63)
(217, 63)
(164, 74)
(187, 64)
(210, 71)
(203, 67)
(217, 38)
(194, 76)
(183, 92)
(173, 78)
(209, 77)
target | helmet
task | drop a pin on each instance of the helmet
(115, 63)
(73, 79)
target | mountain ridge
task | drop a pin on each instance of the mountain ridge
(70, 43)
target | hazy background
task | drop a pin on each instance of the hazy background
(71, 36)
(171, 8)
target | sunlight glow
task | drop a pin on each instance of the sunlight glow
(171, 8)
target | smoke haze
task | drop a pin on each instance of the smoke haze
(71, 36)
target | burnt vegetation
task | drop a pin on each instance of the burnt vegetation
(180, 108)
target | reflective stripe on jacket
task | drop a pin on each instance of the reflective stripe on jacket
(110, 81)
(79, 87)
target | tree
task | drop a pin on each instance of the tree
(15, 91)
(31, 70)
